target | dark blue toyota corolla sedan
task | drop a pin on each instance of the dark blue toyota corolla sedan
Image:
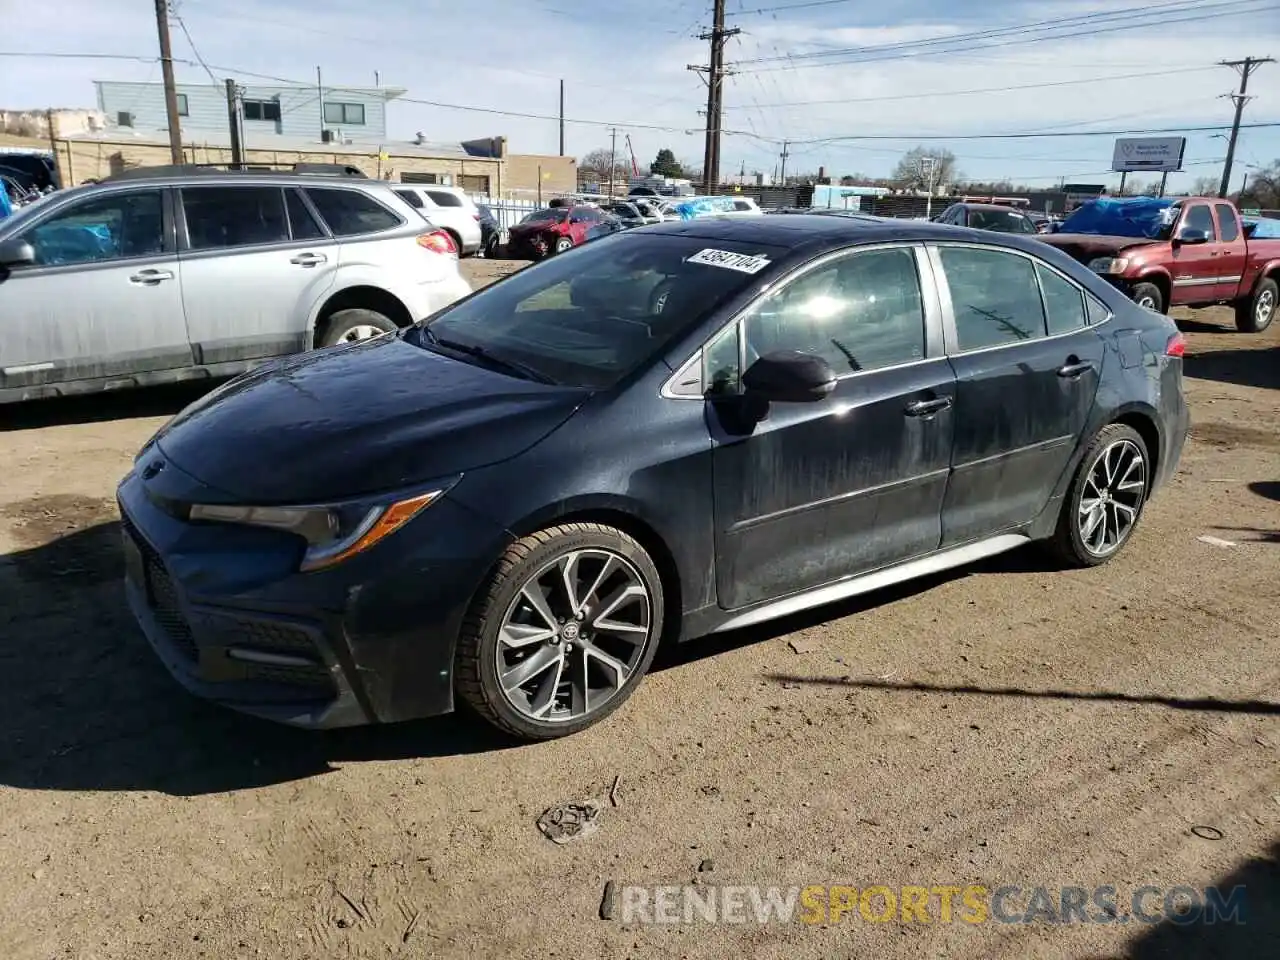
(663, 434)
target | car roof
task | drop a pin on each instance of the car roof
(990, 206)
(820, 231)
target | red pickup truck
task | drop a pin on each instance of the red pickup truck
(1196, 253)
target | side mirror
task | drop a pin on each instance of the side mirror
(16, 252)
(1192, 236)
(789, 376)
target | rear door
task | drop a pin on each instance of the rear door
(255, 261)
(1195, 266)
(1027, 369)
(1233, 254)
(102, 297)
(815, 492)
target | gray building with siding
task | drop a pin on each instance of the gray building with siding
(348, 113)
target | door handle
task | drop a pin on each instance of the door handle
(927, 408)
(151, 277)
(309, 259)
(1074, 369)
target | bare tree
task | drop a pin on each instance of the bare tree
(596, 163)
(912, 170)
(1204, 187)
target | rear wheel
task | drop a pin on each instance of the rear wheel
(1256, 313)
(1105, 499)
(1148, 295)
(563, 244)
(348, 326)
(563, 633)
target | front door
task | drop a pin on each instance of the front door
(1027, 368)
(101, 299)
(810, 493)
(255, 262)
(1197, 276)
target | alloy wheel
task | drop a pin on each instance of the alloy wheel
(574, 635)
(1148, 302)
(361, 331)
(1112, 497)
(1263, 309)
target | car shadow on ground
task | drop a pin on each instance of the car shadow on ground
(1254, 933)
(99, 407)
(1267, 489)
(1244, 368)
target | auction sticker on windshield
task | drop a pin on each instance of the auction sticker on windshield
(742, 262)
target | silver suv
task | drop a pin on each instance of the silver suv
(155, 277)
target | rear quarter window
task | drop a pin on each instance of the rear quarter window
(443, 198)
(351, 213)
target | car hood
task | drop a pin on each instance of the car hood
(1085, 246)
(374, 416)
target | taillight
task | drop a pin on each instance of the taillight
(1177, 346)
(475, 217)
(438, 241)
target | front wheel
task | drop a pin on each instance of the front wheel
(1148, 295)
(1105, 499)
(563, 633)
(1256, 313)
(563, 244)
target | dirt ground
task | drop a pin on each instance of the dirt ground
(1005, 724)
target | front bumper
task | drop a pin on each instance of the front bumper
(368, 641)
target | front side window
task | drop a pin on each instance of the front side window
(350, 213)
(1063, 301)
(351, 114)
(995, 297)
(592, 316)
(859, 312)
(105, 228)
(222, 217)
(1198, 217)
(1227, 227)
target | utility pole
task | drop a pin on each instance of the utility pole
(1244, 68)
(929, 164)
(783, 181)
(170, 90)
(233, 117)
(320, 97)
(715, 73)
(613, 157)
(562, 118)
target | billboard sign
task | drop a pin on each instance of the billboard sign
(1162, 154)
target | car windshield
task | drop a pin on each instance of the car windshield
(549, 215)
(1004, 221)
(590, 317)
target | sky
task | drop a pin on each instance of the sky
(803, 73)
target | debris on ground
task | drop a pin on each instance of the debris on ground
(803, 644)
(706, 866)
(570, 821)
(1208, 833)
(1217, 541)
(606, 902)
(613, 791)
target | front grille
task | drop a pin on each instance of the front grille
(161, 595)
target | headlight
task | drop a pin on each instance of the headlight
(332, 533)
(1108, 265)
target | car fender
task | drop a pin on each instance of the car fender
(1270, 269)
(363, 275)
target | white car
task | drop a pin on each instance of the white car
(448, 208)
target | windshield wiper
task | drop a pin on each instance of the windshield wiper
(522, 370)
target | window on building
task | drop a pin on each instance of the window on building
(182, 105)
(348, 114)
(419, 178)
(350, 212)
(268, 110)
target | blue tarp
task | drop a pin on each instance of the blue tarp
(1263, 228)
(696, 207)
(1130, 217)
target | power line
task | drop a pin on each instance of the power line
(195, 52)
(920, 49)
(962, 93)
(1035, 136)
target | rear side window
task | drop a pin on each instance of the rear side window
(411, 198)
(995, 297)
(350, 213)
(1098, 311)
(1063, 302)
(443, 198)
(223, 217)
(1228, 230)
(1199, 218)
(303, 225)
(741, 205)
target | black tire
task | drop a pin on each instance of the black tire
(1149, 295)
(1254, 314)
(491, 247)
(476, 665)
(339, 327)
(1067, 544)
